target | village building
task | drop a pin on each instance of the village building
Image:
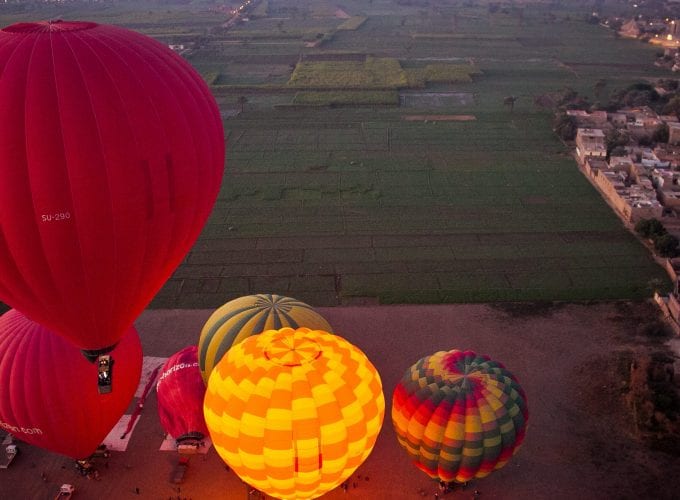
(592, 166)
(619, 120)
(663, 178)
(668, 153)
(618, 163)
(641, 118)
(630, 192)
(584, 119)
(650, 160)
(673, 27)
(590, 144)
(670, 196)
(661, 91)
(641, 182)
(674, 133)
(673, 303)
(633, 202)
(631, 29)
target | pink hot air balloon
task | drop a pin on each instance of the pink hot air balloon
(49, 394)
(111, 158)
(180, 391)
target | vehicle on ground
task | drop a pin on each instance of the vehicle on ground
(66, 491)
(11, 452)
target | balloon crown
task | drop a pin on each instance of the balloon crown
(291, 348)
(53, 26)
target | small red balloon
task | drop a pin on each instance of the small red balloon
(180, 391)
(49, 393)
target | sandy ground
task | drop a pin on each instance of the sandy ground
(580, 442)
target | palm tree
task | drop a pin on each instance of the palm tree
(242, 100)
(599, 87)
(510, 101)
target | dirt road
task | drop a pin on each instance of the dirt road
(580, 444)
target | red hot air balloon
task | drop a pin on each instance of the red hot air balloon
(180, 390)
(111, 158)
(48, 391)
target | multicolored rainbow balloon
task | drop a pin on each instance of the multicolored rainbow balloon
(459, 415)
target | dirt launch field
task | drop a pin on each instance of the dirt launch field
(581, 441)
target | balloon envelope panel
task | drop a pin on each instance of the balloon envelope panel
(180, 390)
(459, 415)
(111, 157)
(250, 315)
(294, 412)
(49, 394)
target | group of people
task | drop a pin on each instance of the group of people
(86, 468)
(446, 487)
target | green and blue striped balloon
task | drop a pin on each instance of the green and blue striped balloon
(251, 315)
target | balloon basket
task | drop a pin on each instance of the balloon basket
(104, 374)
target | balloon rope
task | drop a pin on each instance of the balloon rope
(140, 403)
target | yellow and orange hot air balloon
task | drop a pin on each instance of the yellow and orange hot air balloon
(294, 412)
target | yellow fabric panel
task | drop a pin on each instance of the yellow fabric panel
(303, 405)
(513, 411)
(251, 461)
(228, 425)
(472, 452)
(486, 413)
(279, 419)
(494, 441)
(356, 448)
(374, 423)
(506, 427)
(444, 455)
(495, 398)
(333, 431)
(415, 428)
(321, 393)
(280, 484)
(230, 457)
(473, 424)
(352, 413)
(334, 467)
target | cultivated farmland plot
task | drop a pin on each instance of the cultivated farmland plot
(334, 193)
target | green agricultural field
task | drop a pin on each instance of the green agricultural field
(383, 73)
(358, 201)
(353, 23)
(440, 73)
(349, 98)
(377, 73)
